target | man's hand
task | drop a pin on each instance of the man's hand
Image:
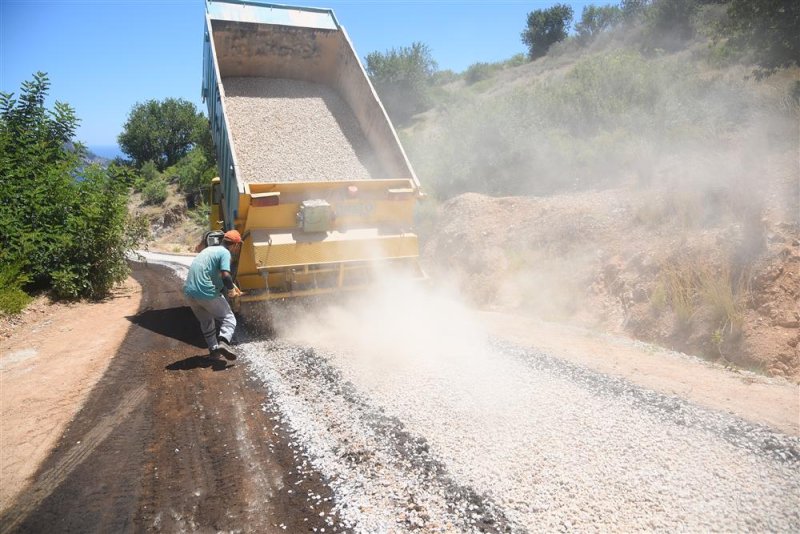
(235, 292)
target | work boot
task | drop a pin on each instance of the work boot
(226, 350)
(218, 362)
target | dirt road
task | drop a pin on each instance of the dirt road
(404, 414)
(169, 442)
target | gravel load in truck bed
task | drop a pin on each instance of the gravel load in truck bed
(294, 131)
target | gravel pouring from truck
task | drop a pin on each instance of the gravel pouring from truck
(312, 173)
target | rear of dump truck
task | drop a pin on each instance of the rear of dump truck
(311, 171)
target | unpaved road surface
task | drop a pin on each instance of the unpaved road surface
(168, 442)
(388, 416)
(422, 420)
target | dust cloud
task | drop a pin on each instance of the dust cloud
(624, 167)
(393, 327)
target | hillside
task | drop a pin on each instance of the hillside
(656, 196)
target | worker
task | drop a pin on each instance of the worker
(209, 273)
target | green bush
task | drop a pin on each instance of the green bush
(443, 77)
(479, 71)
(155, 192)
(200, 215)
(515, 61)
(149, 171)
(12, 299)
(67, 229)
(193, 173)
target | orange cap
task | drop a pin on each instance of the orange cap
(233, 236)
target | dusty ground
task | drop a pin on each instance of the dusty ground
(62, 426)
(52, 356)
(120, 423)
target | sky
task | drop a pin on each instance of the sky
(102, 57)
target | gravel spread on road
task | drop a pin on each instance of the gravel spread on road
(432, 425)
(294, 131)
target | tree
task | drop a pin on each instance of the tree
(670, 22)
(63, 224)
(162, 132)
(545, 28)
(595, 20)
(193, 174)
(633, 10)
(768, 29)
(402, 78)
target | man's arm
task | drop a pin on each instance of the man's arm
(227, 281)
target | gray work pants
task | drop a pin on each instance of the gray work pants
(209, 310)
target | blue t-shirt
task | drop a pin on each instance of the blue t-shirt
(204, 280)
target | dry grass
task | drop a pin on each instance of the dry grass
(687, 286)
(725, 297)
(679, 282)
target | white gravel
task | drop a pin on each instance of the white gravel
(179, 263)
(420, 422)
(293, 131)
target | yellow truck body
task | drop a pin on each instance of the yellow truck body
(303, 236)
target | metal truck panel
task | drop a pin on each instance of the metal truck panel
(352, 225)
(263, 13)
(275, 250)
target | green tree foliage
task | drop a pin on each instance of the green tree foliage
(193, 174)
(633, 10)
(768, 30)
(63, 225)
(595, 20)
(402, 78)
(670, 22)
(545, 28)
(163, 132)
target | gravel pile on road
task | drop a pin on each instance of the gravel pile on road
(294, 131)
(456, 431)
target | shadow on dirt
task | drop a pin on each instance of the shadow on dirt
(178, 323)
(198, 362)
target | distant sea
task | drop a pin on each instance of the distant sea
(106, 151)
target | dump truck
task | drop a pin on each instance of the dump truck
(311, 171)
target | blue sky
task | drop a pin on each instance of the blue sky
(104, 56)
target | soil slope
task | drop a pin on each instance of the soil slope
(592, 259)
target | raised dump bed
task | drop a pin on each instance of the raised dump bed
(311, 171)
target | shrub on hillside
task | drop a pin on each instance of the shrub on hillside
(479, 71)
(193, 174)
(155, 192)
(591, 126)
(515, 61)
